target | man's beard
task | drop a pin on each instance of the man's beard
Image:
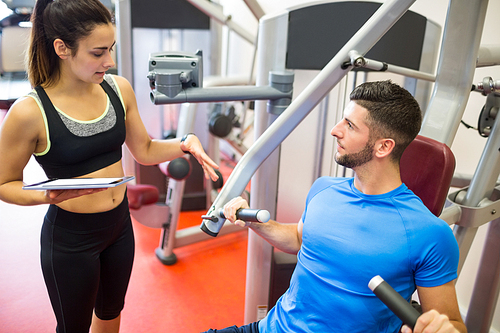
(357, 159)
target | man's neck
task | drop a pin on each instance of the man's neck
(374, 179)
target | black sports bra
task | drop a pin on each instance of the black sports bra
(70, 155)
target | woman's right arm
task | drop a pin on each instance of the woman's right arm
(19, 135)
(21, 132)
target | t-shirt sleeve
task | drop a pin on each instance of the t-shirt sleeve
(436, 256)
(318, 185)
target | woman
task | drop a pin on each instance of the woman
(74, 122)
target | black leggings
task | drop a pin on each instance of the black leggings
(86, 262)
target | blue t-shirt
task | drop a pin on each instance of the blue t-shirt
(350, 237)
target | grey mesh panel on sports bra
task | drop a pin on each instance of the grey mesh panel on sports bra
(89, 129)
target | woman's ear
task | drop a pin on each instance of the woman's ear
(61, 49)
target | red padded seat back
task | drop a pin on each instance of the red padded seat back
(141, 194)
(427, 168)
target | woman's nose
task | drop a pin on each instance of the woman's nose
(109, 61)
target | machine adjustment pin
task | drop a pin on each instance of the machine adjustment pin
(211, 218)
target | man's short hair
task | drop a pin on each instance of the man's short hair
(392, 113)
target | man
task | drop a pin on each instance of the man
(353, 229)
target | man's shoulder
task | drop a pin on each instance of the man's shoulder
(323, 183)
(329, 181)
(415, 213)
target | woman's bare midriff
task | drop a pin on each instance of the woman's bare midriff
(101, 201)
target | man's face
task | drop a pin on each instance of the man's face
(354, 145)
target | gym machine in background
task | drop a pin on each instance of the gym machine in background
(156, 203)
(14, 39)
(178, 78)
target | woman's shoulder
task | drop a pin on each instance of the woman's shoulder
(122, 82)
(24, 114)
(26, 109)
(123, 86)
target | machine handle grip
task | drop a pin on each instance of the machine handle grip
(394, 301)
(250, 215)
(212, 224)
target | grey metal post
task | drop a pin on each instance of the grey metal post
(263, 194)
(124, 39)
(461, 39)
(270, 56)
(174, 194)
(124, 62)
(460, 44)
(482, 184)
(487, 286)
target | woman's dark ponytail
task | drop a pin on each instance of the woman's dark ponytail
(38, 58)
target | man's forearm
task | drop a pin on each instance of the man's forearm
(283, 236)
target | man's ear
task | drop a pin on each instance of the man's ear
(61, 49)
(384, 147)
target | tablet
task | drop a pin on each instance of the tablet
(78, 183)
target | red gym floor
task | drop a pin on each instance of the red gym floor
(204, 289)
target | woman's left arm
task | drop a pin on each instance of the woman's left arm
(149, 151)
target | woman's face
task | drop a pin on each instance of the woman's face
(93, 57)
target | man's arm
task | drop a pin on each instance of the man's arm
(287, 237)
(440, 310)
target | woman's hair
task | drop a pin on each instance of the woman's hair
(392, 113)
(68, 20)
